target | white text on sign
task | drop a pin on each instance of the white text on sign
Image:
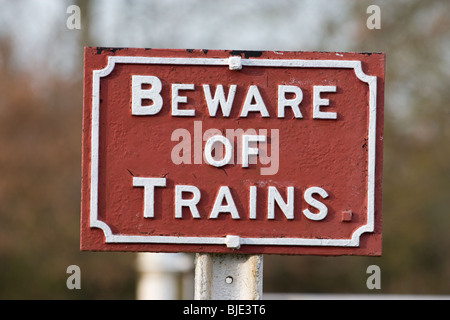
(253, 101)
(273, 198)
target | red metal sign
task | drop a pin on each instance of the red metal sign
(232, 151)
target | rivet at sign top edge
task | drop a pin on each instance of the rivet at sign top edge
(235, 63)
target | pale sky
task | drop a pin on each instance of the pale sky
(37, 28)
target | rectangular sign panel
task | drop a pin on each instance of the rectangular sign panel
(232, 151)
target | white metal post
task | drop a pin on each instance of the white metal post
(228, 276)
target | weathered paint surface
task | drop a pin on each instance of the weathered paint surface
(333, 145)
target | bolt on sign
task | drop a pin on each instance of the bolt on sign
(232, 151)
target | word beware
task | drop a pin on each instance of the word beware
(253, 100)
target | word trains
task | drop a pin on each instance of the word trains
(224, 193)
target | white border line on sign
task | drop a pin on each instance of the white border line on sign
(233, 241)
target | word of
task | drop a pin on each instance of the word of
(223, 147)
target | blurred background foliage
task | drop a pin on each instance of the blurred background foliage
(40, 133)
